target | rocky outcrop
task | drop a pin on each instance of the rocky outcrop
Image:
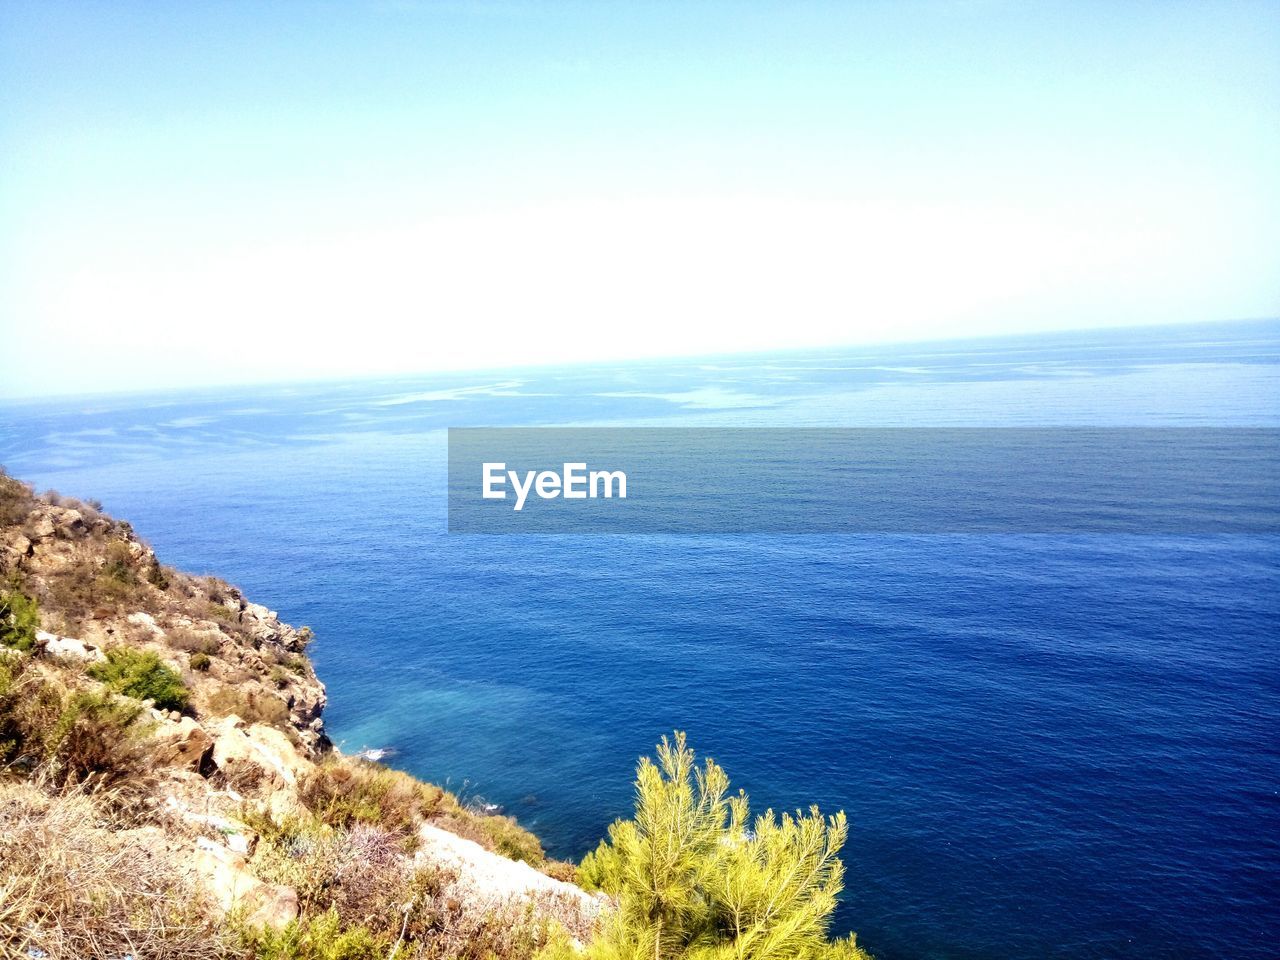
(50, 644)
(99, 586)
(224, 873)
(183, 744)
(247, 754)
(258, 751)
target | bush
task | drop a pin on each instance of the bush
(157, 577)
(93, 740)
(192, 641)
(19, 620)
(73, 589)
(512, 840)
(29, 708)
(318, 938)
(87, 582)
(216, 611)
(362, 873)
(98, 740)
(200, 662)
(343, 794)
(692, 874)
(119, 565)
(16, 500)
(142, 675)
(253, 707)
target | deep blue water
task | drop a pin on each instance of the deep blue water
(1047, 746)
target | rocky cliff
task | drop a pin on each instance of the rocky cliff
(167, 787)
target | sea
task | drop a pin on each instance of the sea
(1047, 745)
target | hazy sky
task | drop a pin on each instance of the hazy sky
(216, 192)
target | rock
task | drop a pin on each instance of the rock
(57, 646)
(239, 838)
(222, 871)
(43, 528)
(231, 747)
(259, 612)
(485, 879)
(284, 804)
(71, 521)
(270, 750)
(307, 700)
(146, 621)
(184, 744)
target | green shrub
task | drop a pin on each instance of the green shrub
(119, 564)
(141, 674)
(216, 611)
(512, 840)
(157, 577)
(318, 938)
(94, 740)
(19, 620)
(693, 875)
(97, 739)
(200, 662)
(561, 870)
(29, 707)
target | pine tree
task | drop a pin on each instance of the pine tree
(694, 878)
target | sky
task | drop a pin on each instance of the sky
(206, 193)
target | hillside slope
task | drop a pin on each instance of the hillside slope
(167, 788)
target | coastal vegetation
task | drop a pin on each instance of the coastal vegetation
(167, 790)
(693, 876)
(19, 620)
(141, 675)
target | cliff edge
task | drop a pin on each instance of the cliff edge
(167, 787)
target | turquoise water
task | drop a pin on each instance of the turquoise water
(1047, 746)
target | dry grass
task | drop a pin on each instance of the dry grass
(362, 873)
(359, 880)
(252, 706)
(72, 888)
(189, 640)
(16, 500)
(70, 738)
(343, 793)
(562, 870)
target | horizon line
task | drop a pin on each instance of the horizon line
(21, 399)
